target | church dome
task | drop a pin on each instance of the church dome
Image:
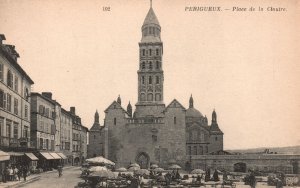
(192, 112)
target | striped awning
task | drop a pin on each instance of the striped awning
(4, 156)
(55, 156)
(62, 155)
(31, 156)
(47, 155)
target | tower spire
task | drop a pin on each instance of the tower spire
(150, 3)
(191, 102)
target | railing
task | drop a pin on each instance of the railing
(14, 142)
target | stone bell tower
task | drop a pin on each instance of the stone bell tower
(150, 73)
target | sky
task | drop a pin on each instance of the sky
(243, 64)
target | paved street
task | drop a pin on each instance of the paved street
(70, 178)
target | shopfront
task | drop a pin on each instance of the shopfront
(4, 161)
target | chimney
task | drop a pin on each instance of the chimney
(12, 51)
(2, 38)
(47, 94)
(72, 110)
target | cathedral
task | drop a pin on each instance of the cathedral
(153, 133)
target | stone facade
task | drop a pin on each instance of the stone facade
(154, 132)
(289, 164)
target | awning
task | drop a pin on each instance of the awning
(47, 155)
(4, 156)
(16, 154)
(31, 156)
(62, 155)
(55, 156)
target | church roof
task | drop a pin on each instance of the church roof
(117, 106)
(214, 129)
(96, 127)
(175, 104)
(192, 112)
(151, 18)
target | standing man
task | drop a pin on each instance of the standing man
(25, 172)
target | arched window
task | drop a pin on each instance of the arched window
(206, 149)
(157, 51)
(175, 120)
(143, 97)
(150, 79)
(143, 65)
(150, 65)
(157, 97)
(143, 79)
(150, 97)
(157, 79)
(144, 52)
(157, 64)
(115, 121)
(150, 52)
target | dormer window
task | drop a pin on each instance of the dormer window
(150, 52)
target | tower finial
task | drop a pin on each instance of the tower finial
(150, 3)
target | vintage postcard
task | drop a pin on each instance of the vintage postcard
(149, 93)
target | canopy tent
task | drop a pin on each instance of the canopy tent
(31, 156)
(4, 156)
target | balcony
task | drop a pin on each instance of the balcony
(13, 142)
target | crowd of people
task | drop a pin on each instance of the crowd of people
(14, 173)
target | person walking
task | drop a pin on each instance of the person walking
(19, 173)
(25, 172)
(59, 169)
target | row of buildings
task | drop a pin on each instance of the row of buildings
(34, 124)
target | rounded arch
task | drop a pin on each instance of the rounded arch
(143, 160)
(240, 167)
(150, 97)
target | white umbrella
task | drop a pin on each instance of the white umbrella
(97, 168)
(158, 170)
(100, 160)
(122, 169)
(134, 165)
(198, 171)
(133, 168)
(174, 166)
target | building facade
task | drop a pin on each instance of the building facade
(153, 132)
(15, 89)
(42, 122)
